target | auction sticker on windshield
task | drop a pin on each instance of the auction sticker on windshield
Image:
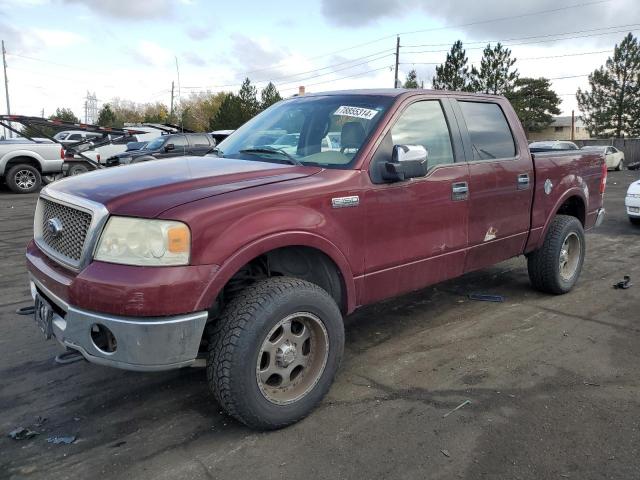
(357, 112)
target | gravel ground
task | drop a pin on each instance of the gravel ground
(553, 385)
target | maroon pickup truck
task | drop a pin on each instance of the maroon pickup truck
(251, 257)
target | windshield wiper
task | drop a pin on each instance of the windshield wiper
(259, 150)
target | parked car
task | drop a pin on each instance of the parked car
(252, 259)
(220, 135)
(74, 136)
(167, 146)
(632, 202)
(554, 145)
(613, 156)
(23, 164)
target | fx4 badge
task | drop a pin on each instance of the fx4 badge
(342, 202)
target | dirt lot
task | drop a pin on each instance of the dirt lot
(553, 382)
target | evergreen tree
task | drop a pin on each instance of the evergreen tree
(269, 96)
(453, 74)
(107, 117)
(230, 114)
(65, 114)
(248, 96)
(612, 103)
(411, 80)
(535, 103)
(496, 75)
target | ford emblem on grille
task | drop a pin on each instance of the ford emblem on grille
(55, 227)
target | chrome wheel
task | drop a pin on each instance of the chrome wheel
(292, 358)
(25, 179)
(570, 256)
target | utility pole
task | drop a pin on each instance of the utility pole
(6, 84)
(395, 81)
(573, 125)
(171, 110)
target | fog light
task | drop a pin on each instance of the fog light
(103, 338)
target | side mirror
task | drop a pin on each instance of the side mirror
(169, 146)
(407, 161)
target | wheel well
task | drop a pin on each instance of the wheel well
(573, 206)
(305, 263)
(23, 161)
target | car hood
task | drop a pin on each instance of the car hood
(634, 187)
(147, 189)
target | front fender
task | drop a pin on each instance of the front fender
(270, 242)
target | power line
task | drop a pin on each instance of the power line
(523, 58)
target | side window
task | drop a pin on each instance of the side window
(178, 141)
(200, 141)
(74, 137)
(423, 123)
(488, 130)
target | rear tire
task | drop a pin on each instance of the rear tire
(23, 178)
(77, 169)
(556, 265)
(274, 352)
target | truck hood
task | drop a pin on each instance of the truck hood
(147, 189)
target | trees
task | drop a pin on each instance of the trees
(155, 113)
(411, 80)
(65, 114)
(496, 75)
(198, 110)
(269, 96)
(106, 117)
(535, 102)
(612, 103)
(453, 74)
(248, 96)
(229, 115)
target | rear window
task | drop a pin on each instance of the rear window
(200, 140)
(489, 131)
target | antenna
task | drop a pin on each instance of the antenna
(179, 96)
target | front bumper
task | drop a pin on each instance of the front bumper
(632, 205)
(143, 343)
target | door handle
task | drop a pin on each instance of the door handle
(459, 191)
(523, 181)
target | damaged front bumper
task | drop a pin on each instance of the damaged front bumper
(130, 343)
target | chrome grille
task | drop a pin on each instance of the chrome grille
(69, 242)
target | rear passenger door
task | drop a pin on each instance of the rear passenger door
(200, 145)
(501, 179)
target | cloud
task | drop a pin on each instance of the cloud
(257, 54)
(193, 58)
(199, 33)
(135, 10)
(470, 15)
(152, 54)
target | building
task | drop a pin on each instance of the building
(560, 129)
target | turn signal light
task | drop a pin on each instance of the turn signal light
(178, 239)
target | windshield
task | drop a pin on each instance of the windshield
(317, 130)
(155, 143)
(61, 136)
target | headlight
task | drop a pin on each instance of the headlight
(135, 241)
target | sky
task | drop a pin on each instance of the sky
(58, 50)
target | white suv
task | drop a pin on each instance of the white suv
(632, 202)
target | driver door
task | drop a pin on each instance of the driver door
(416, 230)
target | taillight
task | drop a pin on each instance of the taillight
(603, 180)
(98, 156)
(62, 153)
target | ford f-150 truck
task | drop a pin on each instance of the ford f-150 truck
(250, 258)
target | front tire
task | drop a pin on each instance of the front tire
(556, 265)
(274, 352)
(24, 178)
(634, 220)
(619, 166)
